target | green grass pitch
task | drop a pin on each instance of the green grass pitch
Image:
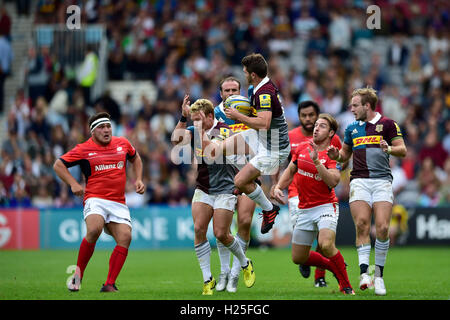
(411, 273)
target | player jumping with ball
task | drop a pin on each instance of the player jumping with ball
(268, 129)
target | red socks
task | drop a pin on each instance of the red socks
(317, 260)
(84, 255)
(116, 262)
(319, 273)
(335, 264)
(341, 272)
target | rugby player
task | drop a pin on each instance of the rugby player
(372, 139)
(245, 206)
(102, 159)
(268, 137)
(318, 205)
(213, 197)
(308, 112)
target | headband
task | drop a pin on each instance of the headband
(98, 122)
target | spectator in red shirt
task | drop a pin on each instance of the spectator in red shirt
(433, 148)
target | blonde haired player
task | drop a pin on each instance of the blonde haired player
(213, 197)
(269, 132)
(372, 139)
(229, 278)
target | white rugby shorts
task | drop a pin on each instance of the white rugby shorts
(251, 138)
(238, 160)
(216, 201)
(371, 190)
(310, 221)
(268, 162)
(111, 211)
(316, 218)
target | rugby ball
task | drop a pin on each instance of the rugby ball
(240, 103)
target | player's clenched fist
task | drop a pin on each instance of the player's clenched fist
(77, 189)
(385, 146)
(277, 194)
(332, 152)
(139, 186)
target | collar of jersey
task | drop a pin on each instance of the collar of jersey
(213, 126)
(263, 82)
(221, 106)
(373, 121)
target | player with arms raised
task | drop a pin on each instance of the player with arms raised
(229, 279)
(102, 159)
(308, 113)
(268, 129)
(213, 197)
(318, 205)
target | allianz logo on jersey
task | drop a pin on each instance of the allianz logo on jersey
(310, 174)
(102, 167)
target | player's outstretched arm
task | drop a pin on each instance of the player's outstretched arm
(342, 155)
(62, 172)
(211, 148)
(137, 169)
(180, 135)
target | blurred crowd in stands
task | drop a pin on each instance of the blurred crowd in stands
(189, 46)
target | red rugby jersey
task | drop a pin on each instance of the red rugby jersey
(296, 137)
(312, 191)
(103, 166)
